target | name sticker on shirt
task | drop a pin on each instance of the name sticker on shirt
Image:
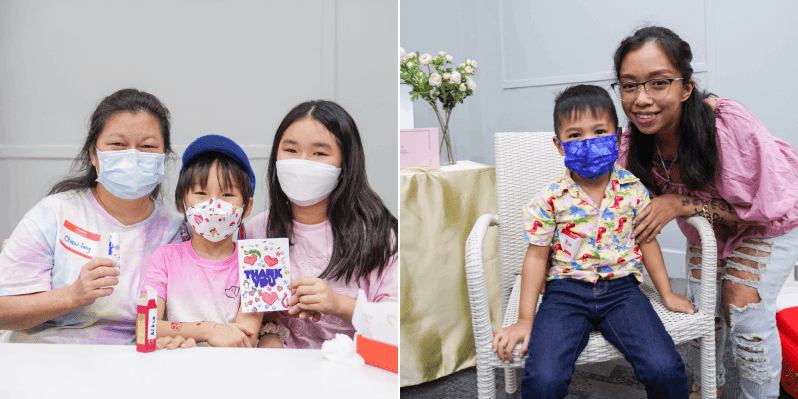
(79, 241)
(571, 242)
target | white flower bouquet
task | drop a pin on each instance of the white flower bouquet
(442, 82)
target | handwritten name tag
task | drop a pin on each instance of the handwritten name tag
(78, 240)
(571, 241)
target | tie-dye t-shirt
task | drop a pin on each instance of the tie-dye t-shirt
(590, 242)
(51, 244)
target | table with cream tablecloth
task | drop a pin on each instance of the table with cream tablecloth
(438, 208)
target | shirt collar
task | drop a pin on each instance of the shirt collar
(618, 173)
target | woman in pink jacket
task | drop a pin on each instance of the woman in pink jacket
(710, 157)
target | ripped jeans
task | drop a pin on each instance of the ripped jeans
(749, 281)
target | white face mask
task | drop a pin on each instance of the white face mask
(214, 220)
(306, 183)
(130, 174)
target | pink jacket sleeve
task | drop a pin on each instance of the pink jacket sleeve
(758, 173)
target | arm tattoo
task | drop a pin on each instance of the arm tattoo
(176, 326)
(696, 202)
(722, 206)
(685, 202)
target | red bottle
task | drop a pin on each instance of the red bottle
(146, 316)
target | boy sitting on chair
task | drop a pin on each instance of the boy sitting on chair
(592, 284)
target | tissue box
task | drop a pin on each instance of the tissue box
(377, 353)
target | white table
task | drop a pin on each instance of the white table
(114, 371)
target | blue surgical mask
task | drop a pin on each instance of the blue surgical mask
(591, 158)
(130, 174)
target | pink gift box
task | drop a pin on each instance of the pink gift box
(419, 148)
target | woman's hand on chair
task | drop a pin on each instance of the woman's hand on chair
(650, 221)
(505, 340)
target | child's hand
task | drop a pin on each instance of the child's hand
(505, 340)
(310, 293)
(678, 303)
(173, 343)
(230, 335)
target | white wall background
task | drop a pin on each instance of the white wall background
(528, 50)
(233, 68)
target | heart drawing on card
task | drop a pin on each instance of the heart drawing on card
(279, 288)
(269, 260)
(270, 297)
(250, 260)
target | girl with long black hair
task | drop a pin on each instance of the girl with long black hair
(342, 235)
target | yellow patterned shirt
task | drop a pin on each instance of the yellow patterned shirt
(590, 242)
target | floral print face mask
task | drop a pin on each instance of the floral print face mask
(214, 220)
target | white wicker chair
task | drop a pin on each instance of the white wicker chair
(525, 164)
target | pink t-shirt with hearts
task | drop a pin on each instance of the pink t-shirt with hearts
(195, 288)
(310, 253)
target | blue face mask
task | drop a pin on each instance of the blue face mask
(130, 174)
(591, 158)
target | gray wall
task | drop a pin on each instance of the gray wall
(529, 50)
(233, 68)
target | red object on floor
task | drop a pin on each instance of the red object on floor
(787, 323)
(377, 353)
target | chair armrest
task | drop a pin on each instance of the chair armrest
(709, 262)
(475, 278)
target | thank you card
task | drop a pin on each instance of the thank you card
(263, 267)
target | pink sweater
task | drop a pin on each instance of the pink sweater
(757, 175)
(310, 254)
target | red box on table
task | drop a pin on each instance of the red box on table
(787, 323)
(377, 353)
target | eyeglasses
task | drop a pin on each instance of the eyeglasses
(655, 88)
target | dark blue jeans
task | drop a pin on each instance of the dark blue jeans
(571, 309)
